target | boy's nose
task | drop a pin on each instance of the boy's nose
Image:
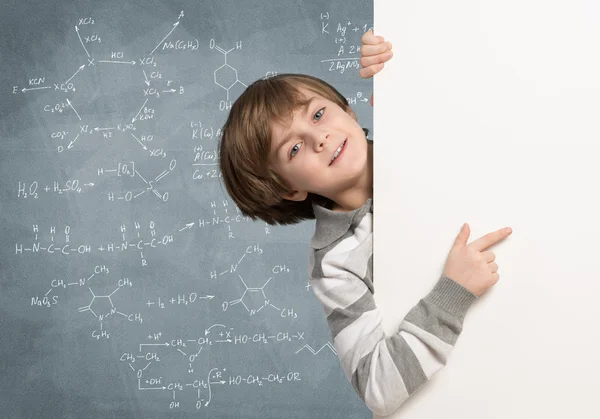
(322, 141)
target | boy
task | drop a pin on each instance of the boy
(292, 149)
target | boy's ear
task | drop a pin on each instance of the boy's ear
(296, 195)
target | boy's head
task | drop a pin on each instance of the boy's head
(277, 145)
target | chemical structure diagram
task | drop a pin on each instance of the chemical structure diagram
(254, 299)
(309, 348)
(151, 374)
(128, 169)
(205, 386)
(101, 306)
(226, 73)
(131, 239)
(55, 244)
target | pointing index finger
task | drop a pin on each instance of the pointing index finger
(490, 239)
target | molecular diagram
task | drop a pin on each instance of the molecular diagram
(227, 74)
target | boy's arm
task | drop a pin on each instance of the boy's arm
(384, 370)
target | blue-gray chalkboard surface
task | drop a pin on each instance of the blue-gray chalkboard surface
(131, 286)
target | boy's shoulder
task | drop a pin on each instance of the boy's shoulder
(333, 226)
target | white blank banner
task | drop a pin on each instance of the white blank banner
(489, 113)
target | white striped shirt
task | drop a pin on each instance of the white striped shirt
(384, 370)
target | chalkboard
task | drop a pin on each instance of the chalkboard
(131, 285)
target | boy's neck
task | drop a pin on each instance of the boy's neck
(357, 197)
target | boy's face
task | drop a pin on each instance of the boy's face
(301, 152)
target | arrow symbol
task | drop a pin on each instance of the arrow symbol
(143, 145)
(153, 344)
(25, 89)
(148, 388)
(86, 51)
(72, 142)
(80, 68)
(69, 103)
(117, 62)
(174, 26)
(208, 330)
(134, 118)
(187, 226)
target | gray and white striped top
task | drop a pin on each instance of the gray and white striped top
(384, 370)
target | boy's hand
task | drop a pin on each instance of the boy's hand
(469, 265)
(374, 52)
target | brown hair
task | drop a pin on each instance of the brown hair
(246, 141)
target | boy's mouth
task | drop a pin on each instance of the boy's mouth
(338, 152)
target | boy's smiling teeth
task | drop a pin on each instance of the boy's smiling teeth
(338, 151)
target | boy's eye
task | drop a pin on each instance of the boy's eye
(292, 154)
(322, 109)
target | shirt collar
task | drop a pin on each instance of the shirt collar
(331, 225)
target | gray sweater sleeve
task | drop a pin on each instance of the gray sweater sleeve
(386, 370)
